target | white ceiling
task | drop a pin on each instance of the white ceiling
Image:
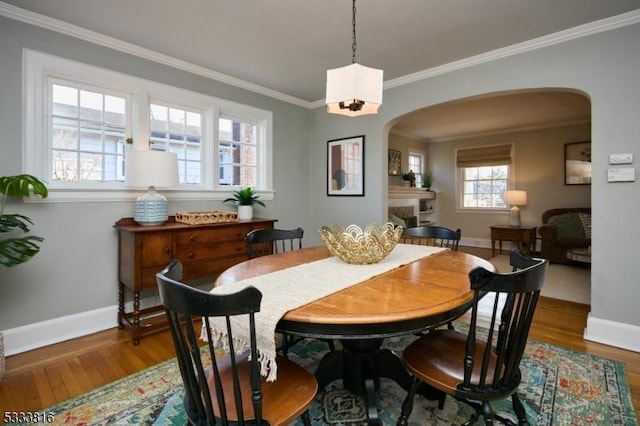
(286, 46)
(495, 114)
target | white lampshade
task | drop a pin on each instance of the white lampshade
(515, 199)
(151, 169)
(354, 84)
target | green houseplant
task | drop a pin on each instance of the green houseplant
(17, 250)
(409, 178)
(245, 199)
(427, 180)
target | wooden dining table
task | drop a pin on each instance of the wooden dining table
(406, 300)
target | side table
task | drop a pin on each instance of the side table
(523, 235)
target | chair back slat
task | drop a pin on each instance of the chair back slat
(262, 242)
(437, 236)
(207, 400)
(495, 370)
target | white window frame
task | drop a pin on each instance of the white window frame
(460, 188)
(422, 165)
(39, 67)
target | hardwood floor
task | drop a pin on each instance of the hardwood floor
(40, 378)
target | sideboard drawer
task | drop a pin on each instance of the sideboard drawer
(212, 235)
(194, 270)
(203, 252)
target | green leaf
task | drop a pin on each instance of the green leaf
(9, 222)
(14, 251)
(18, 186)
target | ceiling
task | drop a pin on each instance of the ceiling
(493, 114)
(286, 46)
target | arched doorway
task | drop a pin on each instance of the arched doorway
(538, 122)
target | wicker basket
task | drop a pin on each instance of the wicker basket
(202, 218)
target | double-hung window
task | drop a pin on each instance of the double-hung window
(483, 176)
(80, 122)
(416, 164)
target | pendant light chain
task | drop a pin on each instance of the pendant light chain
(353, 45)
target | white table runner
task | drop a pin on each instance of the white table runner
(293, 287)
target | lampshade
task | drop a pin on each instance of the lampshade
(354, 90)
(151, 169)
(515, 198)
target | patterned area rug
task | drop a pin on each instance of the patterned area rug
(559, 387)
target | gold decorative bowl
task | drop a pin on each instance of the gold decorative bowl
(353, 245)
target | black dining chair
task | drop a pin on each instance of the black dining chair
(263, 242)
(228, 390)
(431, 235)
(481, 365)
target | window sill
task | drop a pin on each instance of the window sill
(61, 195)
(483, 211)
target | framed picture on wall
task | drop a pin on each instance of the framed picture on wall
(345, 166)
(395, 158)
(577, 163)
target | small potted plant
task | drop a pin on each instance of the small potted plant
(409, 178)
(245, 198)
(427, 180)
(16, 250)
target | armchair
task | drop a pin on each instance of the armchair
(563, 229)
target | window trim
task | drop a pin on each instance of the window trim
(421, 155)
(38, 67)
(459, 184)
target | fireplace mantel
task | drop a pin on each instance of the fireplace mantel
(404, 192)
(422, 203)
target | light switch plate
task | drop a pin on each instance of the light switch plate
(620, 158)
(621, 174)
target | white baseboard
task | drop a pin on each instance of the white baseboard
(613, 333)
(475, 242)
(44, 333)
(32, 336)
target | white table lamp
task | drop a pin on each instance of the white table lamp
(515, 199)
(151, 169)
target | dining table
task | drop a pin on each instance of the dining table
(406, 300)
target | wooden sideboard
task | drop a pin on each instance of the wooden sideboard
(204, 250)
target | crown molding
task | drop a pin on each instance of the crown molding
(62, 27)
(584, 30)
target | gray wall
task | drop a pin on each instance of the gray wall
(604, 67)
(76, 270)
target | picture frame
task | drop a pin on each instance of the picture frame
(395, 162)
(345, 166)
(577, 163)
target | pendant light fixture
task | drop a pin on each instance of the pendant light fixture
(355, 89)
